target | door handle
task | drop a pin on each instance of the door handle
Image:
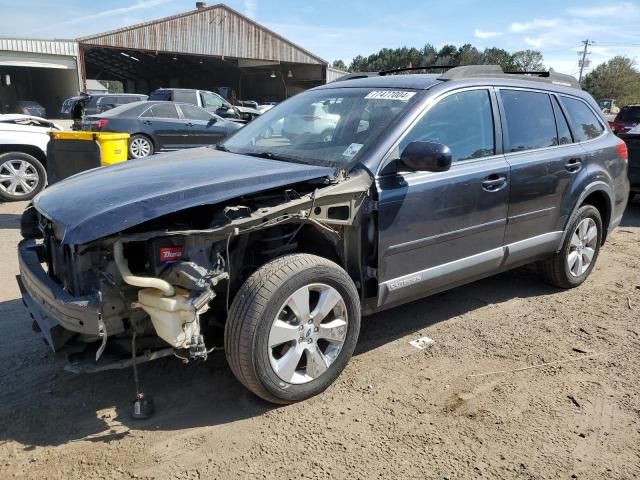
(147, 122)
(573, 165)
(189, 124)
(494, 182)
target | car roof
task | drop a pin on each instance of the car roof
(416, 81)
(123, 109)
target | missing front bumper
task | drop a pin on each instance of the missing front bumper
(58, 314)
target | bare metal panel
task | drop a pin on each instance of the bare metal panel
(217, 31)
(67, 48)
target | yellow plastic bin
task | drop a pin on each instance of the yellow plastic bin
(113, 146)
(69, 153)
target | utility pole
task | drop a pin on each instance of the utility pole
(583, 62)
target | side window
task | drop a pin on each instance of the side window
(564, 133)
(530, 120)
(585, 123)
(462, 121)
(209, 100)
(185, 97)
(191, 112)
(161, 110)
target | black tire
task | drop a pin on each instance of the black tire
(254, 310)
(555, 270)
(139, 137)
(35, 168)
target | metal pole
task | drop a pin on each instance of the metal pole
(584, 57)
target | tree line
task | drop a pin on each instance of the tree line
(618, 78)
(447, 56)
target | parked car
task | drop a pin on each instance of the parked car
(315, 120)
(29, 107)
(627, 119)
(210, 101)
(79, 106)
(632, 139)
(276, 248)
(23, 154)
(157, 126)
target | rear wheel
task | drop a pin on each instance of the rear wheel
(573, 263)
(140, 146)
(22, 176)
(292, 328)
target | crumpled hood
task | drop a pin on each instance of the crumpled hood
(104, 201)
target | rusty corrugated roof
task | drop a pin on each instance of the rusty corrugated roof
(217, 30)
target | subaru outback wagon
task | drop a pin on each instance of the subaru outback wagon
(274, 247)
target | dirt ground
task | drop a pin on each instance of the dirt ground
(395, 413)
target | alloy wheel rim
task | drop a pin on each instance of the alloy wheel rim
(18, 178)
(308, 333)
(140, 148)
(582, 247)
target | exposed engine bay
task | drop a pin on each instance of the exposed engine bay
(169, 282)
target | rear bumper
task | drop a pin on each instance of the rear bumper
(58, 314)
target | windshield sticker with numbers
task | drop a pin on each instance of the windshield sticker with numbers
(390, 95)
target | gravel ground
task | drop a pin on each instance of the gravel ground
(455, 410)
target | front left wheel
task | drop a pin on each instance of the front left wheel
(292, 328)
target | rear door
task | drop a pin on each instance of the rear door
(441, 229)
(163, 123)
(545, 162)
(204, 127)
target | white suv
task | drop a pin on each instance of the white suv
(23, 152)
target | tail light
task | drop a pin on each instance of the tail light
(310, 118)
(103, 122)
(621, 148)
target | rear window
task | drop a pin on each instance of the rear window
(185, 97)
(163, 110)
(160, 95)
(585, 123)
(629, 114)
(530, 120)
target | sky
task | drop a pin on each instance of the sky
(339, 29)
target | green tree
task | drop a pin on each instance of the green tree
(497, 56)
(469, 55)
(527, 61)
(340, 65)
(618, 79)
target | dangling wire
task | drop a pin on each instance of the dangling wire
(135, 365)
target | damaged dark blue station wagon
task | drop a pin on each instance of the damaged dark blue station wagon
(344, 200)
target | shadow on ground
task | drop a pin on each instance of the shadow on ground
(41, 404)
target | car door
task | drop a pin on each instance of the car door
(204, 128)
(441, 229)
(544, 163)
(162, 122)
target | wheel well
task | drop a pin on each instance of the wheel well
(600, 200)
(28, 149)
(265, 245)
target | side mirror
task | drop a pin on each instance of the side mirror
(426, 157)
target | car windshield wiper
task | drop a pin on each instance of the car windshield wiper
(273, 156)
(222, 148)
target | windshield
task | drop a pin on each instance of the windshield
(332, 127)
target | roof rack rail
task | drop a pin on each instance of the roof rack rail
(551, 76)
